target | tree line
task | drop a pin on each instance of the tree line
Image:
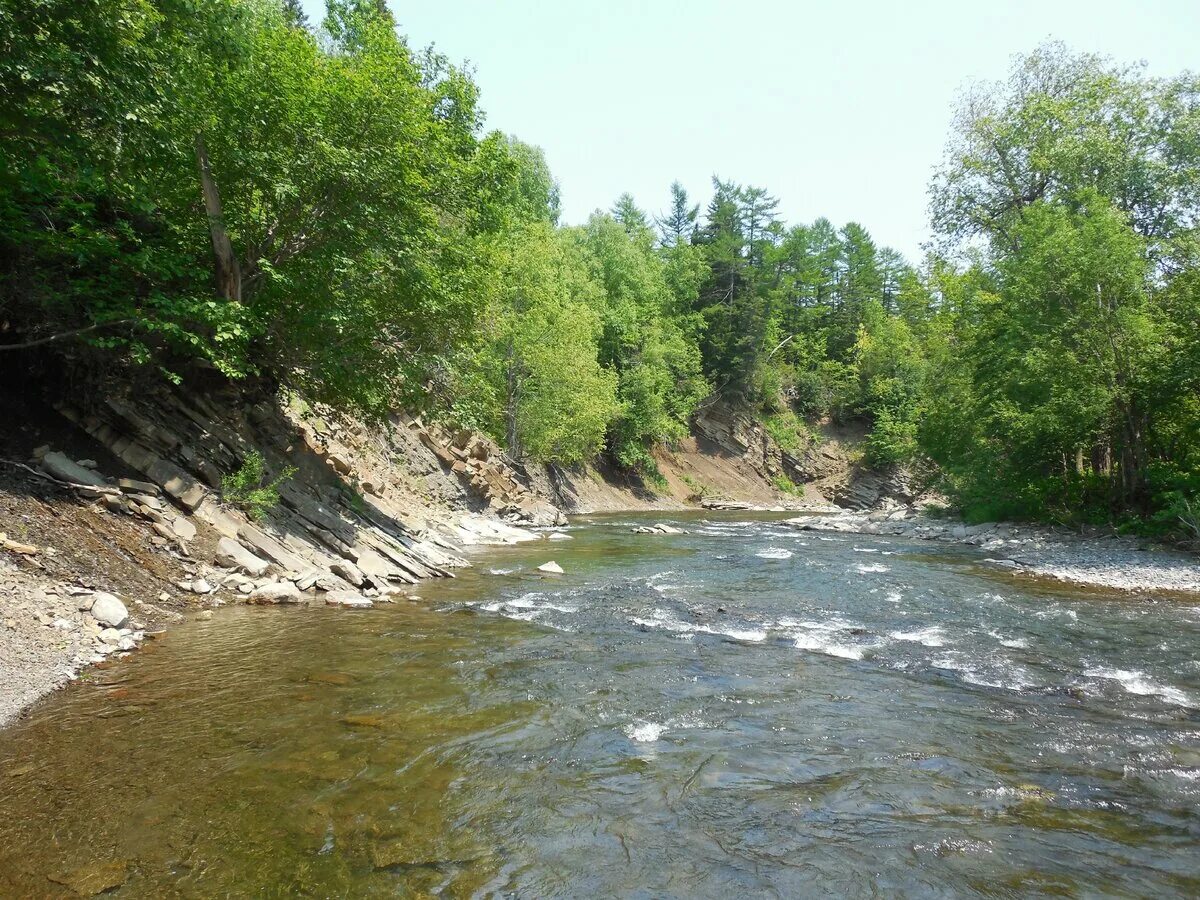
(318, 205)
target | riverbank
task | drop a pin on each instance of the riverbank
(1102, 561)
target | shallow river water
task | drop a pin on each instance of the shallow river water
(744, 710)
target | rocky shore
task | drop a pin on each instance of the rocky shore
(1106, 561)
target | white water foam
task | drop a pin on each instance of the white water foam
(1140, 683)
(894, 597)
(644, 732)
(875, 567)
(774, 553)
(660, 619)
(930, 637)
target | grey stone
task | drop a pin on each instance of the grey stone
(233, 555)
(282, 592)
(108, 610)
(347, 570)
(348, 600)
(183, 528)
(60, 467)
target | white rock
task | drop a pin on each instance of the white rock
(283, 592)
(108, 610)
(110, 636)
(348, 600)
(126, 643)
(233, 555)
(551, 568)
(200, 586)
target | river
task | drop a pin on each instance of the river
(743, 710)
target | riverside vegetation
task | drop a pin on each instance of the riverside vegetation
(319, 206)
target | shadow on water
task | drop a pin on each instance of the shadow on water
(741, 710)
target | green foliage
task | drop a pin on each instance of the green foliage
(251, 489)
(785, 485)
(787, 430)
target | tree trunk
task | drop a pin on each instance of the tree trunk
(229, 275)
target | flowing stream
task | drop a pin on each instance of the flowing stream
(743, 710)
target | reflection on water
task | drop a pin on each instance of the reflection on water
(742, 710)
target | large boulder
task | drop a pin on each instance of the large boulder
(108, 610)
(271, 594)
(65, 469)
(343, 568)
(233, 555)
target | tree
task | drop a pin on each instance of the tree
(626, 211)
(677, 225)
(1067, 124)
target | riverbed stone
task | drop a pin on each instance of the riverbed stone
(348, 600)
(108, 609)
(551, 568)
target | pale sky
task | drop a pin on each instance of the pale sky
(839, 109)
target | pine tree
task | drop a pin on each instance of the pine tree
(679, 223)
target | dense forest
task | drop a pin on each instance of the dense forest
(318, 206)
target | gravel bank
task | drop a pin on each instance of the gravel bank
(1123, 564)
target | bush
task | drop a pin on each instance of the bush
(249, 489)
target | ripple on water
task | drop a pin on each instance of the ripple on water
(774, 553)
(933, 636)
(1135, 682)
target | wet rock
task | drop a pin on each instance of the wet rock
(363, 721)
(348, 600)
(94, 878)
(205, 615)
(108, 610)
(110, 636)
(551, 568)
(270, 594)
(127, 643)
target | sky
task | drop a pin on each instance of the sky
(840, 110)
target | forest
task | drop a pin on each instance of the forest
(318, 206)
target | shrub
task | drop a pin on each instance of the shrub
(249, 489)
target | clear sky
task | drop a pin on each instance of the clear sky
(839, 109)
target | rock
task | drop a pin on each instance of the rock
(87, 463)
(60, 467)
(176, 482)
(559, 536)
(283, 592)
(110, 636)
(108, 610)
(127, 643)
(204, 615)
(233, 555)
(338, 462)
(348, 600)
(363, 721)
(183, 528)
(40, 452)
(94, 878)
(343, 568)
(133, 486)
(551, 568)
(200, 586)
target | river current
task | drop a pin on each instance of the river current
(742, 710)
